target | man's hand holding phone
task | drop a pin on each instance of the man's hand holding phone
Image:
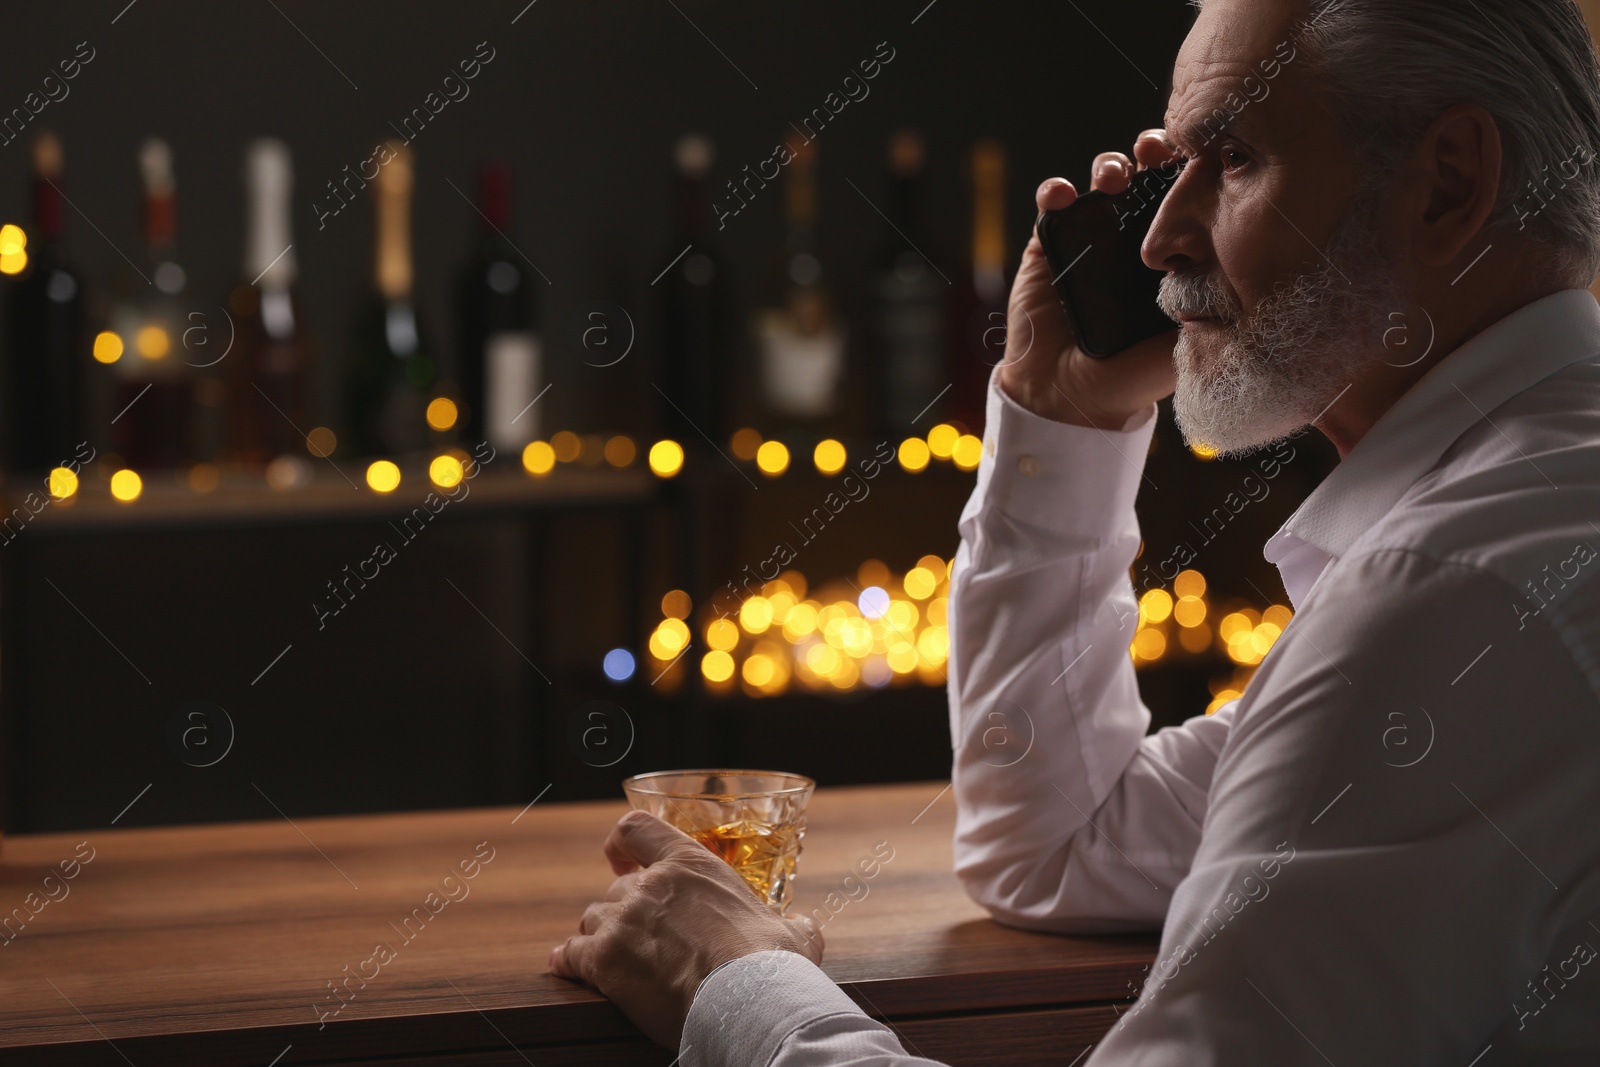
(1044, 369)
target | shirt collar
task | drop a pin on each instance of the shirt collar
(1523, 348)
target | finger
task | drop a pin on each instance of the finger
(1054, 194)
(623, 886)
(573, 958)
(1111, 172)
(621, 863)
(595, 916)
(640, 839)
(1151, 148)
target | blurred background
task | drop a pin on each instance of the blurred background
(416, 407)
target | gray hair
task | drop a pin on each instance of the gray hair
(1391, 67)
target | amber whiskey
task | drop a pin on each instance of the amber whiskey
(763, 853)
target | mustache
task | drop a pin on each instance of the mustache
(1196, 294)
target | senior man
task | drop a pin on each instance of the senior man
(1386, 850)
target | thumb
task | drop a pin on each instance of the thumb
(640, 839)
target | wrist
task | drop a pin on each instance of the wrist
(1049, 402)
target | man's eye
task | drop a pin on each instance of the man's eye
(1233, 159)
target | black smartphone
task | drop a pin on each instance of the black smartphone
(1093, 251)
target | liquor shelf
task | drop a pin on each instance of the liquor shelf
(327, 496)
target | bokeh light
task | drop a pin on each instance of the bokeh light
(13, 244)
(621, 451)
(567, 445)
(1222, 698)
(284, 472)
(1155, 605)
(913, 454)
(942, 440)
(676, 604)
(716, 666)
(1189, 583)
(772, 458)
(63, 482)
(321, 442)
(1149, 644)
(107, 347)
(920, 583)
(744, 444)
(618, 665)
(442, 413)
(829, 456)
(383, 476)
(445, 471)
(760, 670)
(722, 635)
(873, 601)
(152, 342)
(1189, 611)
(666, 458)
(967, 452)
(1277, 615)
(671, 636)
(755, 615)
(801, 621)
(538, 458)
(126, 486)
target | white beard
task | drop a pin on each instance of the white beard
(1276, 371)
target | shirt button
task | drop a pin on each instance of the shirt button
(1028, 466)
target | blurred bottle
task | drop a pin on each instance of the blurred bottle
(799, 337)
(391, 368)
(908, 367)
(696, 304)
(45, 350)
(979, 308)
(152, 424)
(269, 370)
(502, 357)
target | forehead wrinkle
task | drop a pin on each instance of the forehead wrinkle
(1218, 55)
(1205, 103)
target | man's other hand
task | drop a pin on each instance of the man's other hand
(675, 913)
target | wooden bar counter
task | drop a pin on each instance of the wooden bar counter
(221, 945)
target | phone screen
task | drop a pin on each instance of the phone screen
(1093, 250)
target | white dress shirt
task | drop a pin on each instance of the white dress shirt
(1388, 850)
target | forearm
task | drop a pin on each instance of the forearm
(1068, 816)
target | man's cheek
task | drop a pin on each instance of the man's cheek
(1243, 246)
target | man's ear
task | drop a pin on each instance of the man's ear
(1456, 169)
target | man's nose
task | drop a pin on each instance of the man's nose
(1179, 237)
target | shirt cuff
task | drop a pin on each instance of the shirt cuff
(1077, 481)
(745, 1009)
